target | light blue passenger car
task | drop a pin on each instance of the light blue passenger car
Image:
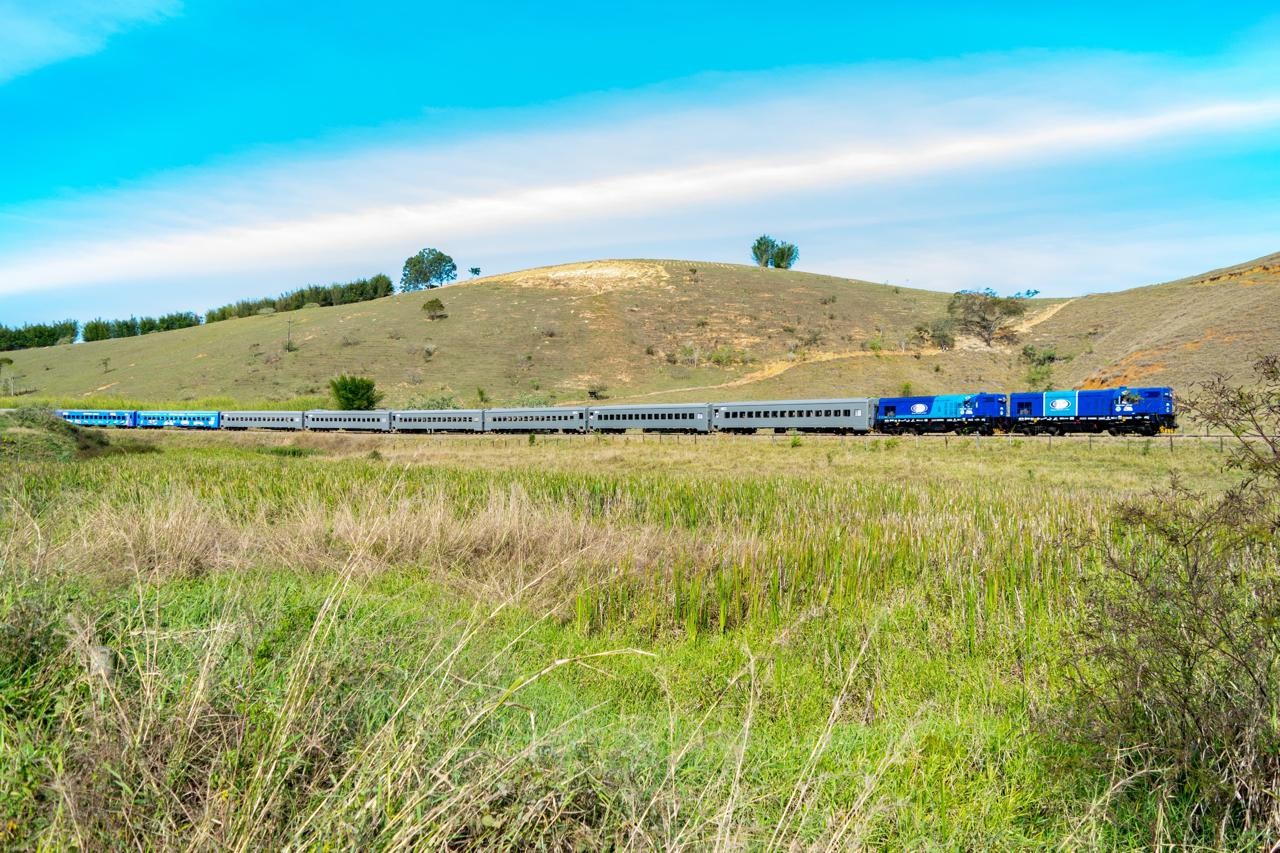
(181, 420)
(98, 417)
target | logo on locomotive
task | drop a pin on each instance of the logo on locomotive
(919, 408)
(1060, 404)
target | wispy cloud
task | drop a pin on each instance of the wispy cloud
(710, 160)
(33, 35)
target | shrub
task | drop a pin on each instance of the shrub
(1040, 361)
(434, 309)
(1177, 662)
(938, 333)
(727, 356)
(439, 401)
(354, 393)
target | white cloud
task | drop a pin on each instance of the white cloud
(711, 160)
(33, 35)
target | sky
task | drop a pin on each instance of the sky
(162, 155)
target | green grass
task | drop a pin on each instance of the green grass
(582, 642)
(656, 328)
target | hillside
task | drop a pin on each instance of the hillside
(668, 330)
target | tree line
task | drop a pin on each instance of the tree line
(38, 335)
(426, 269)
(319, 295)
(101, 330)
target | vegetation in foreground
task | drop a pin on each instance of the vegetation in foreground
(391, 642)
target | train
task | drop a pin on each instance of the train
(1118, 411)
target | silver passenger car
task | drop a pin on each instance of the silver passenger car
(547, 419)
(851, 414)
(437, 420)
(262, 420)
(378, 421)
(656, 417)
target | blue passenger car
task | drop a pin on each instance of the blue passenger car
(1116, 410)
(98, 417)
(182, 420)
(977, 413)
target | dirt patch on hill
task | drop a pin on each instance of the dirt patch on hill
(1254, 275)
(590, 278)
(1124, 375)
(1039, 317)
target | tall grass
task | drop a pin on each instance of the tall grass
(222, 648)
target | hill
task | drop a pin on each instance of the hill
(679, 330)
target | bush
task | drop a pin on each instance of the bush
(439, 401)
(728, 356)
(354, 393)
(938, 333)
(1177, 659)
(434, 309)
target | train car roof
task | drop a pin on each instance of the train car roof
(793, 402)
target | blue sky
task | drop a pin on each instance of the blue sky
(160, 155)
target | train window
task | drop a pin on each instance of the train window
(890, 411)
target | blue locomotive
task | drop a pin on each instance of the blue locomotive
(960, 413)
(1140, 411)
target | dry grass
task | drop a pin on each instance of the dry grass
(579, 644)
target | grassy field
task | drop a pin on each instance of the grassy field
(680, 330)
(390, 642)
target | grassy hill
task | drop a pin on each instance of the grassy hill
(675, 330)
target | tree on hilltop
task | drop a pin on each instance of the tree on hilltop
(429, 268)
(784, 255)
(762, 250)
